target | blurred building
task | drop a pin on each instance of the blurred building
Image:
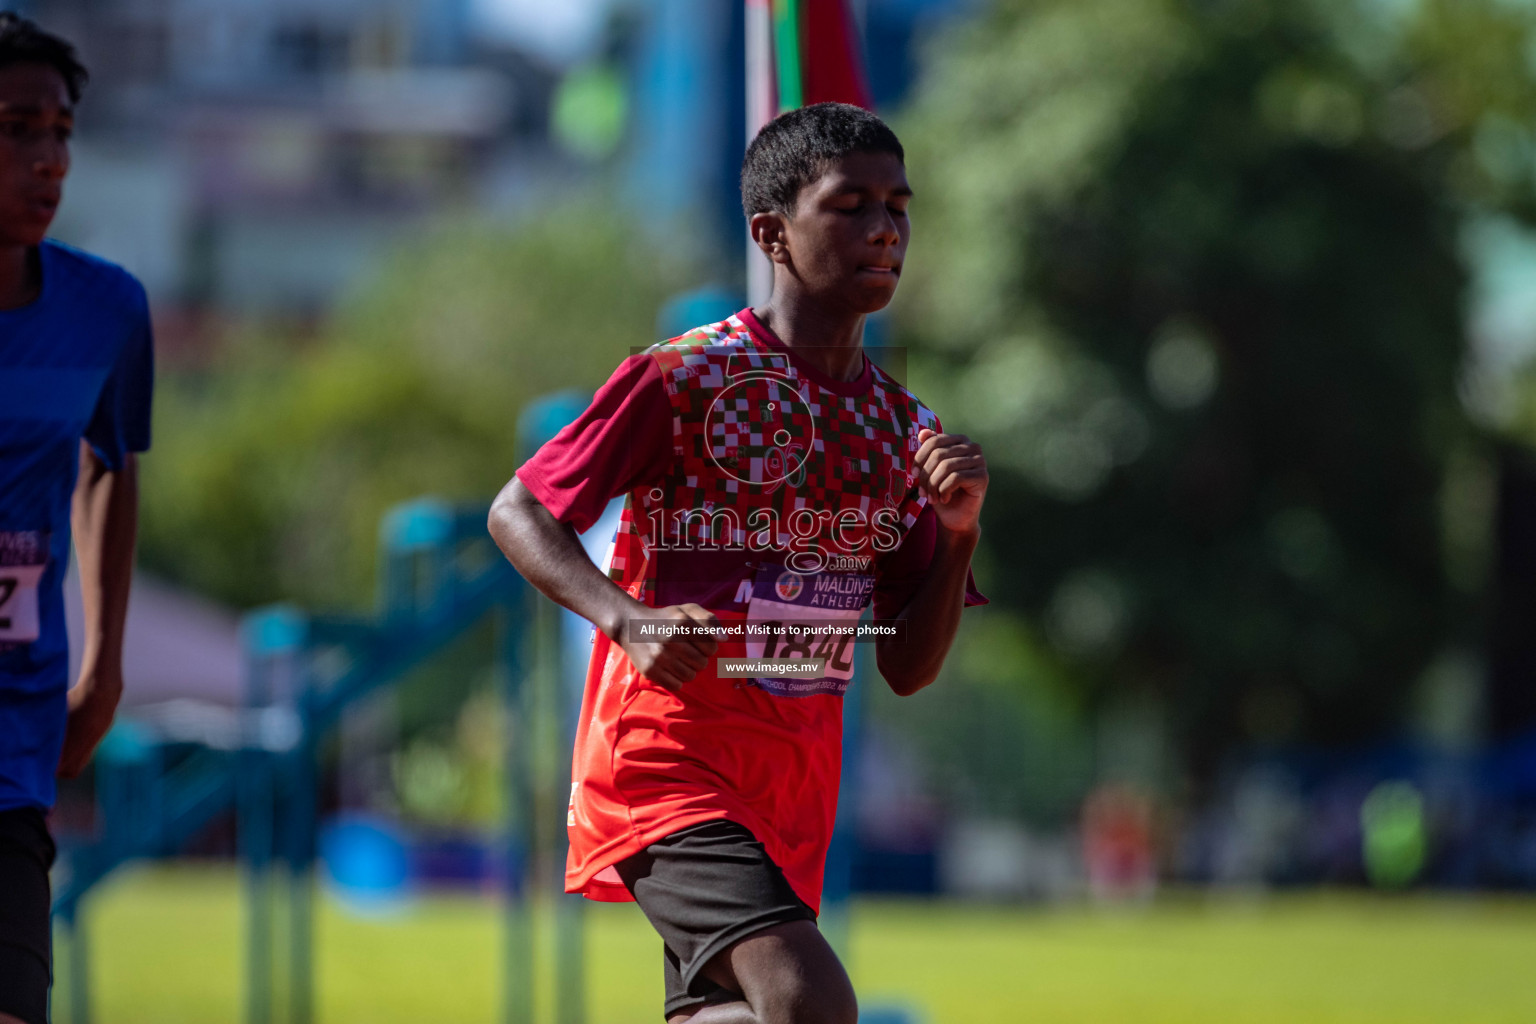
(252, 157)
(177, 645)
(255, 156)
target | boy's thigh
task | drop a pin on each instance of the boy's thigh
(26, 854)
(705, 889)
(787, 972)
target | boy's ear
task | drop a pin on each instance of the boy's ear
(769, 234)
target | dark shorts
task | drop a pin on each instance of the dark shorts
(26, 854)
(704, 888)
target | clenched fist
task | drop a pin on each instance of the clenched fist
(952, 472)
(677, 659)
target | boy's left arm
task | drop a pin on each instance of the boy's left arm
(105, 517)
(952, 471)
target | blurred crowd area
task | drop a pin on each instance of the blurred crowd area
(1239, 295)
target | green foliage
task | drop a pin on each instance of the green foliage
(1393, 834)
(459, 779)
(1191, 272)
(272, 469)
(1001, 733)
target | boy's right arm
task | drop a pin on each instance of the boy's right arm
(621, 440)
(549, 555)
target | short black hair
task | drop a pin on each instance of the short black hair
(797, 147)
(22, 42)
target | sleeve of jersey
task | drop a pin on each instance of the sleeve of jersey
(902, 571)
(120, 422)
(622, 440)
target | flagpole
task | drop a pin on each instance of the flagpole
(762, 105)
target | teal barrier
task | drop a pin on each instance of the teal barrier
(440, 577)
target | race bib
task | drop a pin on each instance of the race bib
(797, 608)
(23, 557)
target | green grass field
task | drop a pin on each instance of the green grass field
(166, 946)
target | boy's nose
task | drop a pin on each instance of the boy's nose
(52, 159)
(884, 230)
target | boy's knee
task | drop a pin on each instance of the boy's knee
(838, 1007)
(800, 1000)
(818, 1010)
(789, 975)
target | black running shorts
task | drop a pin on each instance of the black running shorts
(26, 854)
(704, 888)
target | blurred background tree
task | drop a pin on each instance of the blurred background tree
(274, 465)
(1194, 272)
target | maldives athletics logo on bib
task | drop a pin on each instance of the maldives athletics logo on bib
(788, 586)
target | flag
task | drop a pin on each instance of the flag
(831, 63)
(799, 52)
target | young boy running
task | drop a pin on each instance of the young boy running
(75, 379)
(773, 475)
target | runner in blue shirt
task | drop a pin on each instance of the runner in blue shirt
(75, 381)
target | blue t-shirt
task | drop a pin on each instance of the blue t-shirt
(75, 363)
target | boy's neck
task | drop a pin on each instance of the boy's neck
(830, 342)
(20, 276)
